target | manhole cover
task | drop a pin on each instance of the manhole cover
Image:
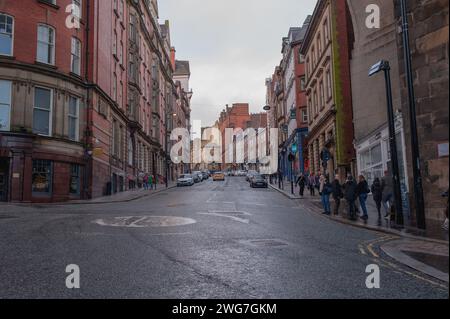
(144, 221)
(265, 242)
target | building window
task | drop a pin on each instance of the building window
(76, 56)
(121, 7)
(316, 104)
(46, 45)
(74, 109)
(302, 83)
(304, 116)
(114, 46)
(371, 163)
(329, 85)
(114, 87)
(130, 150)
(326, 33)
(42, 113)
(319, 45)
(6, 34)
(74, 186)
(78, 8)
(5, 105)
(42, 177)
(322, 95)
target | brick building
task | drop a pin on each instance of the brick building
(84, 108)
(326, 48)
(238, 118)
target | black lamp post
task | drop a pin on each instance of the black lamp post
(384, 66)
(418, 187)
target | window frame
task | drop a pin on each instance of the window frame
(12, 33)
(50, 175)
(73, 56)
(50, 110)
(76, 117)
(53, 52)
(8, 128)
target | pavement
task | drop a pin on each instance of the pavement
(212, 240)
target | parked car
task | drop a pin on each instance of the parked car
(205, 175)
(258, 181)
(218, 176)
(185, 180)
(198, 177)
(250, 174)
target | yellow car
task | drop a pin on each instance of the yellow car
(218, 176)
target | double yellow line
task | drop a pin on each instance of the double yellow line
(368, 245)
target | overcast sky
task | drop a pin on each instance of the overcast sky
(232, 45)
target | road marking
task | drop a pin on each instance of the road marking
(398, 269)
(229, 216)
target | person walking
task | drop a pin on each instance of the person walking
(150, 182)
(377, 194)
(337, 194)
(362, 189)
(325, 192)
(317, 181)
(155, 182)
(301, 182)
(145, 181)
(387, 188)
(350, 196)
(312, 184)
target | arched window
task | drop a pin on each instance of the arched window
(6, 34)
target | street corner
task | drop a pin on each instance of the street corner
(427, 257)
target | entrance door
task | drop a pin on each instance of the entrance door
(4, 167)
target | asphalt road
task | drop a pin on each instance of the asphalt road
(226, 241)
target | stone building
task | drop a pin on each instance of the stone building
(371, 45)
(326, 51)
(429, 43)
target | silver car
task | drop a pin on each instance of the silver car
(185, 180)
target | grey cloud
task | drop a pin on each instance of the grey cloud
(233, 46)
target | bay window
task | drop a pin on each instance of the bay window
(42, 112)
(5, 105)
(46, 44)
(6, 34)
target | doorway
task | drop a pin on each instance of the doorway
(4, 180)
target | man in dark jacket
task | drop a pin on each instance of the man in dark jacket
(337, 194)
(301, 182)
(377, 194)
(350, 196)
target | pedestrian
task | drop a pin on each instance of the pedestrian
(350, 196)
(325, 192)
(145, 181)
(156, 181)
(377, 194)
(301, 182)
(312, 184)
(337, 194)
(150, 182)
(362, 189)
(317, 181)
(387, 188)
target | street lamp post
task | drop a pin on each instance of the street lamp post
(418, 187)
(384, 66)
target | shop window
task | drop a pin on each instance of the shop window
(42, 177)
